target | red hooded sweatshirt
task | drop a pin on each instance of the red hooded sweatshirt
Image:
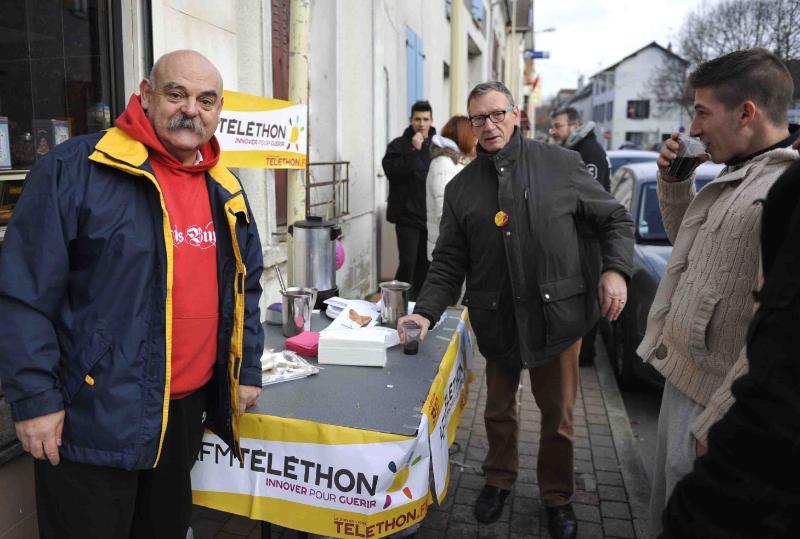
(195, 296)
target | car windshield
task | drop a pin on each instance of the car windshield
(650, 227)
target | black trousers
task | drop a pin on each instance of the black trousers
(83, 501)
(412, 244)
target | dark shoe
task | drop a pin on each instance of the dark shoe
(561, 522)
(489, 505)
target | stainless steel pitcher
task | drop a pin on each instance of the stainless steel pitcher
(297, 306)
(394, 295)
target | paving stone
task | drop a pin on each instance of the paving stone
(526, 490)
(466, 496)
(604, 452)
(588, 513)
(462, 513)
(609, 478)
(581, 431)
(528, 436)
(525, 506)
(589, 530)
(527, 461)
(479, 441)
(610, 493)
(428, 533)
(608, 465)
(496, 530)
(436, 520)
(593, 401)
(472, 481)
(602, 440)
(595, 410)
(586, 498)
(597, 419)
(525, 522)
(528, 448)
(618, 528)
(526, 475)
(583, 466)
(599, 429)
(582, 441)
(583, 454)
(459, 530)
(476, 453)
(615, 510)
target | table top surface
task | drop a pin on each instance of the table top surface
(387, 399)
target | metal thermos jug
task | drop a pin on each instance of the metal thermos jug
(314, 258)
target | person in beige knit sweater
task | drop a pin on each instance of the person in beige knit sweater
(698, 321)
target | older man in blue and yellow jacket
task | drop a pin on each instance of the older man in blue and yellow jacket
(129, 319)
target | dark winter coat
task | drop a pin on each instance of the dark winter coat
(406, 169)
(86, 301)
(584, 141)
(746, 486)
(528, 288)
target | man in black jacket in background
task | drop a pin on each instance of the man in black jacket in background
(406, 164)
(746, 485)
(508, 225)
(566, 130)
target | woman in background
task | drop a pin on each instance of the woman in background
(450, 152)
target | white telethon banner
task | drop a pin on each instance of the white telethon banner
(337, 489)
(260, 132)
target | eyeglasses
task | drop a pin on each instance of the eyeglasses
(496, 117)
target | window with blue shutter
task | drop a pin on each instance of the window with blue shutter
(478, 10)
(414, 63)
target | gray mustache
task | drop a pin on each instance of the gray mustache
(179, 121)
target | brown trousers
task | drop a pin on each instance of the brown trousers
(554, 386)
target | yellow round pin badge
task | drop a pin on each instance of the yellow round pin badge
(501, 218)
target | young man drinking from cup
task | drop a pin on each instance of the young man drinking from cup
(697, 323)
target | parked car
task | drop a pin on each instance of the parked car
(618, 158)
(635, 186)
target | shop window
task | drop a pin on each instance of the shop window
(639, 110)
(56, 78)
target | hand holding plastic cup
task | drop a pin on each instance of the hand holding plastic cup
(691, 153)
(412, 332)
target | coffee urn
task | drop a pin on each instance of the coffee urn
(314, 258)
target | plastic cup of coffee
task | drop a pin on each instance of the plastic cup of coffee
(412, 332)
(691, 153)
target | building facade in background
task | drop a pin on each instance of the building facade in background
(623, 106)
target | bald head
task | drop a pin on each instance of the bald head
(185, 60)
(183, 99)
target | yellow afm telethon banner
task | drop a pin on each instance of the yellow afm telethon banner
(259, 132)
(328, 480)
(338, 481)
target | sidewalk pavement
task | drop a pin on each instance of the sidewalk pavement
(611, 488)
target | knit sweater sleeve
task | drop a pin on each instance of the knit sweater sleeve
(674, 198)
(720, 401)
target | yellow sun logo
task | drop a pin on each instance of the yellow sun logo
(295, 134)
(400, 479)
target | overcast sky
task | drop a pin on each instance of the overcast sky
(591, 35)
